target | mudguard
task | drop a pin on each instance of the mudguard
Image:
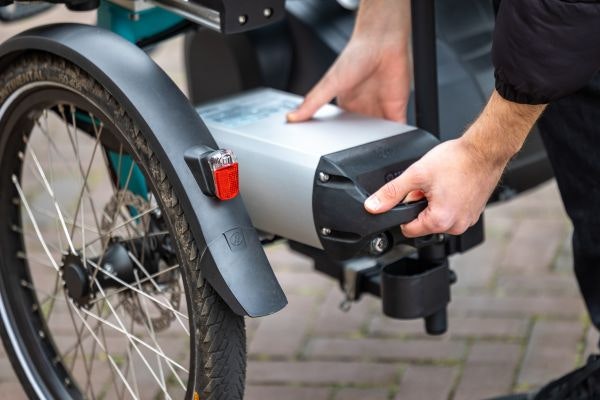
(232, 258)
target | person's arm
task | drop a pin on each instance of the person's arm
(372, 75)
(458, 176)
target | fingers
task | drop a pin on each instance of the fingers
(432, 221)
(320, 95)
(393, 192)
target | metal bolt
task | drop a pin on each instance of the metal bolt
(323, 177)
(242, 19)
(378, 245)
(67, 382)
(267, 12)
(325, 231)
(41, 334)
(441, 237)
(109, 268)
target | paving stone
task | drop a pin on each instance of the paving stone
(362, 394)
(312, 372)
(518, 306)
(283, 259)
(543, 284)
(384, 349)
(7, 373)
(476, 268)
(458, 327)
(282, 334)
(304, 283)
(551, 352)
(12, 390)
(286, 392)
(421, 382)
(534, 245)
(333, 321)
(489, 370)
(484, 381)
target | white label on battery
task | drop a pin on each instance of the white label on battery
(246, 111)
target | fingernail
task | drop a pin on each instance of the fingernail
(291, 117)
(372, 203)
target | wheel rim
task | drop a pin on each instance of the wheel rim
(128, 337)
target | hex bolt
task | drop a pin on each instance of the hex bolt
(325, 231)
(242, 19)
(378, 245)
(268, 12)
(323, 177)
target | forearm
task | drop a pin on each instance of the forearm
(501, 129)
(384, 20)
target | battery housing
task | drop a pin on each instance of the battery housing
(281, 167)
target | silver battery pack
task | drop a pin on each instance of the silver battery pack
(278, 160)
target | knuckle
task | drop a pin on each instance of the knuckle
(441, 221)
(459, 228)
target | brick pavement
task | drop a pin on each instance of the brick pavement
(516, 318)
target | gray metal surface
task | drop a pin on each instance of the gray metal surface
(278, 160)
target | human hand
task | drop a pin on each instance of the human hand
(458, 176)
(456, 183)
(372, 75)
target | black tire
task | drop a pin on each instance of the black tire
(217, 352)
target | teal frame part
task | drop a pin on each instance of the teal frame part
(133, 26)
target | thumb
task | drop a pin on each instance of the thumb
(392, 193)
(320, 95)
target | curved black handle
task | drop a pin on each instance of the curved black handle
(406, 212)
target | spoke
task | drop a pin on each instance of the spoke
(141, 281)
(150, 330)
(51, 193)
(127, 285)
(84, 187)
(110, 358)
(70, 221)
(115, 228)
(140, 266)
(34, 222)
(133, 339)
(79, 343)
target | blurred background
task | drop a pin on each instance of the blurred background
(516, 318)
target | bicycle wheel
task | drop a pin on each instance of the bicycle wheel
(100, 293)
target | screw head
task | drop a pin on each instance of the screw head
(242, 19)
(268, 12)
(378, 245)
(325, 231)
(109, 268)
(323, 177)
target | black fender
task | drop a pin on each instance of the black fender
(232, 257)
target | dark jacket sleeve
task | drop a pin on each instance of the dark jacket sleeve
(545, 49)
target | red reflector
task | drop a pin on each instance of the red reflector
(227, 181)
